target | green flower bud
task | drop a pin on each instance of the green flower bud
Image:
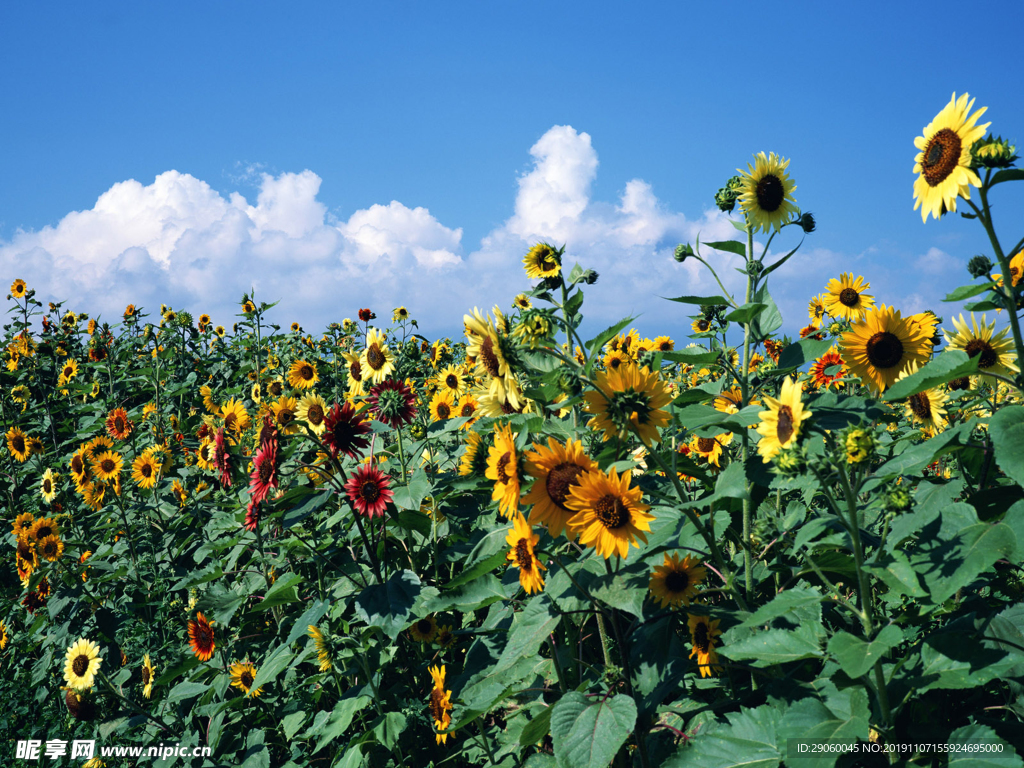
(979, 266)
(417, 431)
(993, 152)
(683, 252)
(860, 444)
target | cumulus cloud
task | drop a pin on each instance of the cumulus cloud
(180, 242)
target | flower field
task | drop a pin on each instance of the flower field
(523, 547)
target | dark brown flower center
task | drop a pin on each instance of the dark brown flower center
(108, 465)
(614, 363)
(77, 465)
(246, 679)
(467, 409)
(436, 704)
(701, 637)
(266, 470)
(306, 373)
(19, 444)
(502, 463)
(47, 486)
(443, 411)
(523, 555)
(677, 581)
(885, 350)
(118, 424)
(146, 470)
(315, 414)
(611, 511)
(941, 156)
(848, 297)
(770, 193)
(145, 675)
(706, 444)
(559, 480)
(490, 360)
(784, 427)
(68, 370)
(424, 626)
(285, 417)
(961, 383)
(80, 664)
(451, 381)
(369, 491)
(703, 324)
(374, 357)
(989, 357)
(276, 389)
(43, 531)
(921, 406)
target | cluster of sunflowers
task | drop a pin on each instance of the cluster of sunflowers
(538, 524)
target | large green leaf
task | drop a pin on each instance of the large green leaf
(388, 605)
(588, 732)
(856, 656)
(272, 665)
(802, 352)
(411, 496)
(951, 364)
(532, 627)
(774, 646)
(1007, 431)
(948, 564)
(748, 741)
(999, 754)
(283, 591)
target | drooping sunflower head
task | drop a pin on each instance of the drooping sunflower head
(780, 425)
(521, 540)
(440, 704)
(993, 350)
(767, 193)
(542, 261)
(882, 345)
(81, 663)
(503, 469)
(474, 459)
(148, 676)
(943, 163)
(324, 648)
(703, 633)
(629, 399)
(675, 582)
(846, 297)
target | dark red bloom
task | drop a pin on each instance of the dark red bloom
(366, 315)
(252, 515)
(344, 431)
(368, 489)
(264, 471)
(393, 403)
(221, 458)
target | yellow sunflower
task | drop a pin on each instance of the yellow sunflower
(766, 193)
(41, 528)
(472, 459)
(424, 630)
(302, 375)
(48, 486)
(994, 350)
(881, 346)
(243, 675)
(615, 359)
(356, 380)
(729, 400)
(556, 469)
(285, 410)
(502, 468)
(235, 416)
(312, 409)
(453, 379)
(377, 360)
(542, 261)
(926, 408)
(609, 514)
(440, 704)
(22, 525)
(468, 408)
(845, 297)
(4, 636)
(442, 405)
(703, 632)
(148, 676)
(816, 309)
(107, 466)
(522, 301)
(943, 163)
(676, 581)
(51, 548)
(18, 288)
(485, 346)
(18, 445)
(663, 344)
(522, 540)
(81, 663)
(146, 471)
(323, 648)
(780, 424)
(710, 448)
(626, 398)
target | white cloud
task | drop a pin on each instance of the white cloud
(180, 242)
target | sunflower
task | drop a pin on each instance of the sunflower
(208, 402)
(944, 160)
(609, 514)
(399, 315)
(442, 406)
(702, 634)
(473, 461)
(522, 540)
(542, 261)
(820, 367)
(615, 359)
(17, 444)
(780, 424)
(881, 346)
(41, 528)
(302, 375)
(201, 636)
(51, 548)
(48, 486)
(629, 398)
(766, 193)
(487, 346)
(522, 301)
(424, 630)
(148, 676)
(206, 454)
(235, 417)
(243, 674)
(701, 325)
(22, 525)
(377, 360)
(107, 466)
(729, 400)
(816, 309)
(502, 468)
(369, 491)
(926, 322)
(312, 409)
(676, 581)
(710, 448)
(453, 379)
(663, 344)
(440, 704)
(344, 431)
(18, 288)
(285, 410)
(179, 493)
(4, 636)
(146, 471)
(926, 408)
(468, 408)
(323, 648)
(993, 350)
(845, 297)
(556, 469)
(81, 663)
(119, 426)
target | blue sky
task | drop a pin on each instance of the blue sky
(408, 153)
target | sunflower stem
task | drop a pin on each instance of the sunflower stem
(369, 549)
(602, 631)
(748, 566)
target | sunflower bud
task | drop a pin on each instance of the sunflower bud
(807, 223)
(979, 265)
(754, 267)
(897, 500)
(590, 276)
(569, 383)
(789, 462)
(993, 152)
(860, 444)
(726, 197)
(683, 252)
(417, 431)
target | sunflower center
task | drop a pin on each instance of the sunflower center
(374, 357)
(502, 463)
(848, 297)
(369, 491)
(611, 511)
(467, 409)
(145, 675)
(47, 485)
(784, 427)
(107, 465)
(424, 626)
(80, 664)
(490, 360)
(276, 389)
(977, 347)
(68, 370)
(451, 381)
(705, 444)
(506, 408)
(559, 480)
(266, 470)
(285, 417)
(770, 193)
(885, 350)
(437, 704)
(677, 581)
(246, 679)
(19, 444)
(443, 411)
(315, 414)
(921, 406)
(962, 383)
(941, 156)
(665, 346)
(77, 465)
(614, 363)
(146, 470)
(119, 424)
(701, 638)
(523, 555)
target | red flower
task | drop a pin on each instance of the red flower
(366, 315)
(368, 490)
(252, 515)
(264, 471)
(393, 403)
(344, 431)
(201, 637)
(221, 458)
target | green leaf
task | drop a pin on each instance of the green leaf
(588, 733)
(731, 484)
(773, 646)
(532, 627)
(329, 725)
(967, 291)
(701, 301)
(951, 364)
(856, 656)
(748, 741)
(981, 735)
(290, 724)
(282, 592)
(691, 356)
(745, 313)
(536, 729)
(786, 603)
(471, 596)
(595, 344)
(920, 455)
(388, 605)
(730, 246)
(802, 352)
(272, 665)
(770, 320)
(186, 690)
(300, 512)
(1007, 174)
(897, 574)
(1007, 430)
(411, 496)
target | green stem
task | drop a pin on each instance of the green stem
(748, 566)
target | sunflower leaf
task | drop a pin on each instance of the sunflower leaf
(731, 246)
(388, 605)
(587, 733)
(745, 313)
(967, 291)
(951, 364)
(802, 352)
(856, 656)
(1009, 174)
(1007, 430)
(701, 301)
(532, 627)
